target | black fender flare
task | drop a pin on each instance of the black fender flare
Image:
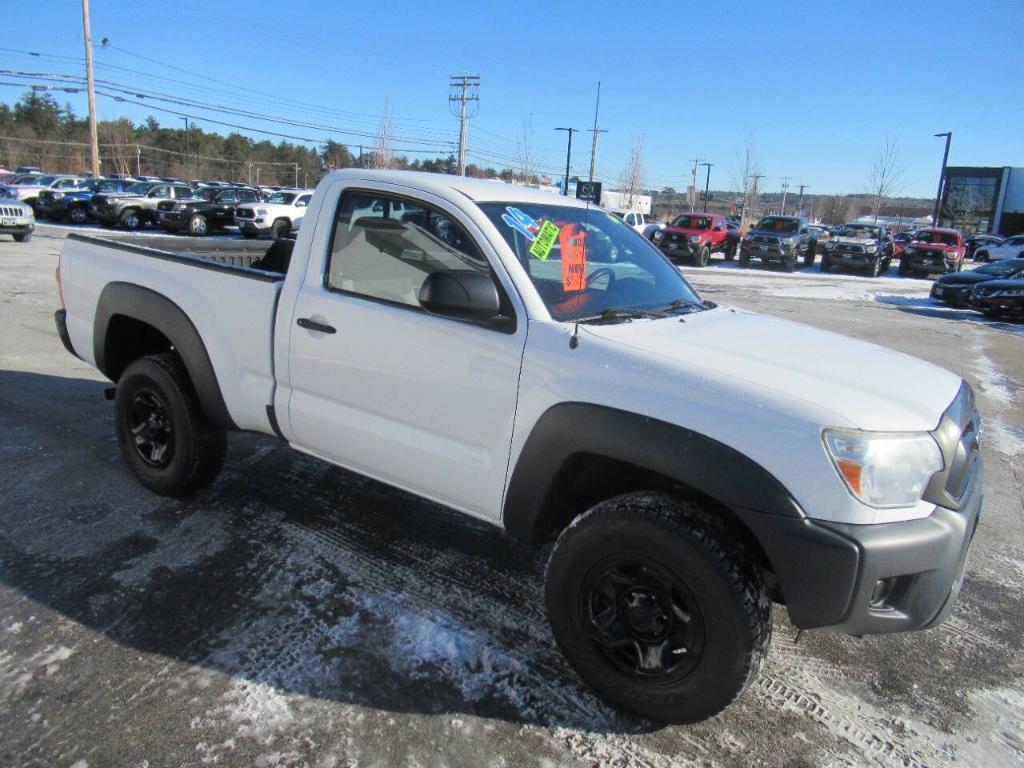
(568, 430)
(156, 310)
(815, 566)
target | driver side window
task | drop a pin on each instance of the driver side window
(383, 248)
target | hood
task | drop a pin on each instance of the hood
(863, 384)
(924, 246)
(998, 285)
(964, 278)
(684, 231)
(853, 240)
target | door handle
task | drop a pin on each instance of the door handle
(312, 325)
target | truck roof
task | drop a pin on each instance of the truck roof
(478, 190)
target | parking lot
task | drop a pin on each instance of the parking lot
(295, 614)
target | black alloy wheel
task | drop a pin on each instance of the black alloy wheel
(645, 622)
(151, 429)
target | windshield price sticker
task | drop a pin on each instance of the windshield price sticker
(545, 241)
(574, 258)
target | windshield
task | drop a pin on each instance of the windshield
(936, 238)
(692, 222)
(1007, 268)
(859, 231)
(592, 262)
(281, 198)
(775, 224)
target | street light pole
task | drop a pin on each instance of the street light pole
(800, 203)
(186, 145)
(942, 177)
(707, 185)
(568, 155)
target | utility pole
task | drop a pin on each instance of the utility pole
(296, 176)
(186, 145)
(568, 155)
(693, 186)
(460, 85)
(94, 139)
(707, 186)
(138, 160)
(785, 189)
(942, 177)
(800, 204)
(595, 130)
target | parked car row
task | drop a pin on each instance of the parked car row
(191, 207)
(995, 289)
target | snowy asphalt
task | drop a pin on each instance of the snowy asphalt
(299, 615)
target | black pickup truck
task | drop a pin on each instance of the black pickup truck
(211, 209)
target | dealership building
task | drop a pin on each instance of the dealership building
(983, 200)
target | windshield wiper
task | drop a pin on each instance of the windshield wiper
(685, 306)
(618, 313)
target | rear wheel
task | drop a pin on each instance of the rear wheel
(657, 607)
(164, 436)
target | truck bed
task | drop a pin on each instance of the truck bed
(221, 286)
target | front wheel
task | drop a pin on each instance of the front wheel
(131, 219)
(876, 267)
(78, 214)
(812, 247)
(703, 257)
(789, 263)
(826, 263)
(164, 436)
(22, 237)
(279, 229)
(197, 226)
(744, 259)
(660, 611)
(730, 251)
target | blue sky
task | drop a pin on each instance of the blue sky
(820, 85)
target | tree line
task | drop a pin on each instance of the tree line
(38, 131)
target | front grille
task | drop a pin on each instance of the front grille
(8, 211)
(849, 248)
(765, 239)
(249, 213)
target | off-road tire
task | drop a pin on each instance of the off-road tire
(903, 270)
(279, 229)
(703, 257)
(694, 546)
(789, 263)
(826, 263)
(22, 237)
(809, 256)
(197, 446)
(730, 251)
(876, 267)
(744, 259)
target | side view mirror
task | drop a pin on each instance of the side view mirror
(301, 204)
(461, 294)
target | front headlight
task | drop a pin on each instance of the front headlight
(58, 195)
(1010, 292)
(658, 235)
(179, 206)
(884, 469)
(694, 238)
(261, 211)
(872, 249)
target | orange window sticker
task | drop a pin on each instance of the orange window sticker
(574, 257)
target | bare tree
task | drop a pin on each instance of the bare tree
(886, 175)
(118, 137)
(747, 177)
(526, 157)
(633, 179)
(383, 155)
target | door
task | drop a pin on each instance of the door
(381, 386)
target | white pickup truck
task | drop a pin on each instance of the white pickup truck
(536, 363)
(278, 216)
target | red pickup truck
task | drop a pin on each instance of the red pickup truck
(695, 236)
(933, 249)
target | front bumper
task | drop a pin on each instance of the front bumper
(954, 295)
(928, 262)
(16, 225)
(171, 220)
(104, 213)
(1009, 305)
(767, 251)
(829, 572)
(859, 259)
(257, 227)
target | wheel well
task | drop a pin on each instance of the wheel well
(127, 340)
(587, 479)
